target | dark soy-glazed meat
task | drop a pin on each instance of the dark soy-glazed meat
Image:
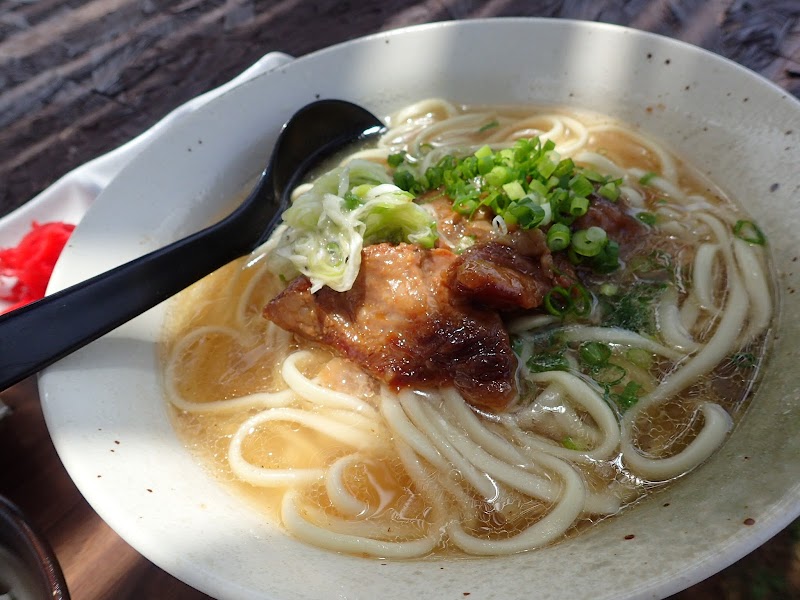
(611, 216)
(494, 275)
(515, 272)
(402, 324)
(429, 317)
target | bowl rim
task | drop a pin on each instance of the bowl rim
(33, 549)
(767, 528)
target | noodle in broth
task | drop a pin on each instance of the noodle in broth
(345, 462)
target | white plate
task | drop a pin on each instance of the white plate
(109, 423)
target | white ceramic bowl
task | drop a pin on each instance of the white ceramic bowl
(109, 422)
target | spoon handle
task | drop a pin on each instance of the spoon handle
(39, 334)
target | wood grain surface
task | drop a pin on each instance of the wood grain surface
(80, 77)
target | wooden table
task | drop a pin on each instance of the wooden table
(80, 77)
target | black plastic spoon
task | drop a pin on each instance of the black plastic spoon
(45, 331)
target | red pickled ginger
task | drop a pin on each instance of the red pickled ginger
(26, 268)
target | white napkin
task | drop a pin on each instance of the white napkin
(69, 198)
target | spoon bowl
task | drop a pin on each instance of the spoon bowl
(39, 334)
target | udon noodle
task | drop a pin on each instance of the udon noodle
(348, 463)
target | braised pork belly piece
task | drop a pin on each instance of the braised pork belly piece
(514, 272)
(613, 217)
(403, 325)
(419, 318)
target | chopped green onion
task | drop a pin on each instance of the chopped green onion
(558, 237)
(749, 232)
(581, 300)
(485, 164)
(483, 152)
(745, 360)
(527, 185)
(561, 302)
(595, 354)
(395, 160)
(547, 361)
(558, 301)
(570, 444)
(629, 396)
(564, 168)
(507, 156)
(465, 206)
(657, 260)
(579, 206)
(498, 176)
(609, 374)
(581, 186)
(596, 234)
(573, 256)
(647, 177)
(647, 218)
(405, 180)
(489, 125)
(609, 191)
(469, 166)
(594, 176)
(609, 289)
(538, 188)
(352, 201)
(527, 215)
(547, 164)
(608, 260)
(589, 242)
(514, 190)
